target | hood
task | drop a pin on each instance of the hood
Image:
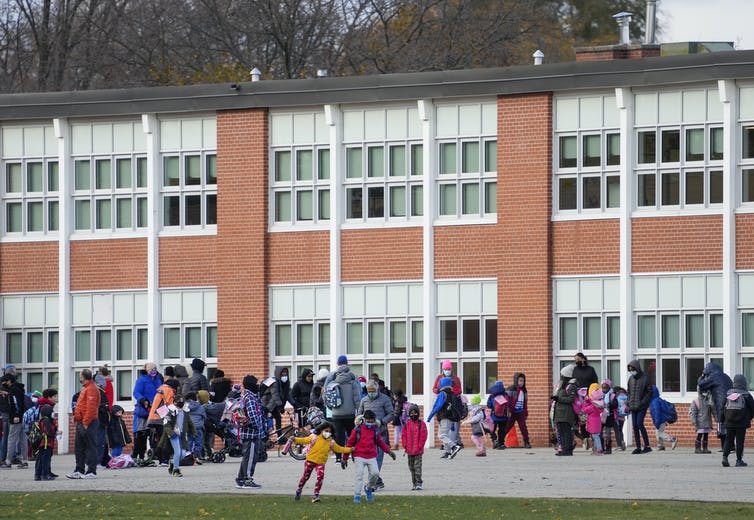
(180, 371)
(193, 406)
(44, 401)
(567, 371)
(497, 388)
(322, 374)
(305, 373)
(655, 392)
(445, 382)
(216, 380)
(711, 368)
(116, 409)
(360, 419)
(413, 408)
(636, 366)
(516, 376)
(279, 372)
(342, 369)
(740, 383)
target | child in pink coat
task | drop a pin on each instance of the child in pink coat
(594, 406)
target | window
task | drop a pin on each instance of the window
(470, 342)
(187, 341)
(300, 344)
(588, 332)
(36, 352)
(301, 184)
(467, 177)
(189, 189)
(30, 197)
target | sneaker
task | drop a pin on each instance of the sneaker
(661, 448)
(413, 488)
(379, 485)
(89, 475)
(163, 464)
(315, 498)
(37, 478)
(370, 495)
(674, 443)
(176, 473)
(454, 451)
(636, 451)
(741, 464)
(419, 487)
(445, 455)
(646, 449)
(527, 446)
(481, 453)
(240, 483)
(357, 499)
(725, 462)
(298, 495)
(75, 475)
(197, 461)
(3, 465)
(23, 465)
(49, 477)
(251, 484)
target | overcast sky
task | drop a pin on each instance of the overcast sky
(707, 20)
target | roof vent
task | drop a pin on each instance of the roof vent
(256, 74)
(649, 35)
(538, 57)
(624, 22)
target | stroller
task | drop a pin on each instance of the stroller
(223, 421)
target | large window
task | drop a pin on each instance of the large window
(188, 341)
(301, 184)
(189, 190)
(470, 342)
(30, 196)
(301, 344)
(467, 177)
(36, 353)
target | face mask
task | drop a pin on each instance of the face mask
(447, 373)
(631, 373)
(580, 363)
(284, 379)
(153, 373)
(186, 408)
(373, 395)
(414, 417)
(326, 435)
(369, 424)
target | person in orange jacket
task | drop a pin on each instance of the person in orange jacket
(163, 398)
(85, 418)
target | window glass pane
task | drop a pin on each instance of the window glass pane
(104, 348)
(83, 346)
(695, 188)
(324, 163)
(397, 161)
(613, 191)
(694, 369)
(324, 339)
(417, 336)
(353, 203)
(471, 377)
(35, 177)
(671, 145)
(354, 338)
(104, 214)
(282, 206)
(82, 175)
(324, 204)
(53, 222)
(671, 331)
(283, 166)
(670, 189)
(490, 197)
(749, 371)
(671, 375)
(14, 217)
(747, 189)
(748, 142)
(646, 148)
(142, 343)
(376, 338)
(103, 175)
(471, 339)
(716, 187)
(417, 159)
(211, 341)
(211, 175)
(305, 340)
(283, 340)
(448, 336)
(397, 376)
(193, 173)
(591, 191)
(123, 209)
(490, 335)
(716, 144)
(376, 161)
(141, 172)
(35, 216)
(124, 347)
(646, 331)
(647, 190)
(592, 150)
(568, 333)
(397, 201)
(304, 205)
(304, 165)
(353, 163)
(194, 342)
(567, 193)
(376, 368)
(747, 322)
(592, 333)
(448, 158)
(172, 174)
(35, 348)
(376, 202)
(142, 213)
(490, 156)
(397, 337)
(35, 382)
(417, 201)
(14, 180)
(568, 145)
(490, 370)
(613, 150)
(716, 330)
(123, 173)
(14, 344)
(470, 198)
(83, 214)
(53, 380)
(417, 378)
(694, 330)
(172, 347)
(52, 176)
(695, 144)
(613, 332)
(447, 199)
(124, 385)
(53, 346)
(470, 157)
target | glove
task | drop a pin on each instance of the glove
(343, 464)
(554, 398)
(391, 454)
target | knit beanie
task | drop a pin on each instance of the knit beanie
(447, 365)
(567, 371)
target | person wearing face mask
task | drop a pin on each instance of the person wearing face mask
(447, 371)
(519, 407)
(322, 444)
(583, 373)
(365, 441)
(413, 438)
(639, 399)
(382, 407)
(177, 429)
(147, 383)
(277, 394)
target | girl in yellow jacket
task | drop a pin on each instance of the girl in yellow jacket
(321, 443)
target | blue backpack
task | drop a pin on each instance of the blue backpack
(30, 417)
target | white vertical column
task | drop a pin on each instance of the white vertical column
(429, 289)
(151, 127)
(728, 92)
(66, 383)
(334, 120)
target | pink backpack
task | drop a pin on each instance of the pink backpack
(121, 461)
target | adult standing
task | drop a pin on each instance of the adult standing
(277, 393)
(16, 435)
(219, 387)
(251, 434)
(197, 381)
(86, 424)
(737, 416)
(583, 372)
(300, 394)
(343, 415)
(382, 406)
(717, 383)
(5, 409)
(639, 399)
(147, 383)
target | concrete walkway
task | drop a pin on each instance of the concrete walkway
(515, 472)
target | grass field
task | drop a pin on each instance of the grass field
(62, 505)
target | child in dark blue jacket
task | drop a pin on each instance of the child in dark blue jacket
(497, 404)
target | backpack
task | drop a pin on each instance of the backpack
(404, 413)
(457, 410)
(103, 412)
(315, 416)
(735, 408)
(30, 417)
(623, 410)
(670, 411)
(333, 395)
(121, 461)
(35, 436)
(500, 406)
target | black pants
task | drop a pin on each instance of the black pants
(85, 447)
(565, 434)
(737, 435)
(250, 449)
(343, 427)
(140, 444)
(43, 465)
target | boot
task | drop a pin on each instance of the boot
(608, 447)
(698, 450)
(725, 462)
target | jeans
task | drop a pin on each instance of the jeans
(85, 447)
(372, 471)
(381, 454)
(249, 454)
(102, 444)
(597, 441)
(196, 442)
(175, 442)
(640, 432)
(16, 437)
(43, 465)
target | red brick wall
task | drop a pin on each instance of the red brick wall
(242, 303)
(467, 251)
(744, 242)
(586, 247)
(108, 264)
(381, 254)
(524, 286)
(28, 267)
(298, 257)
(188, 261)
(677, 244)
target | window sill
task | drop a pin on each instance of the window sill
(560, 216)
(182, 232)
(464, 221)
(642, 213)
(106, 235)
(299, 227)
(15, 238)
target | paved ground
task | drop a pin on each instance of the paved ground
(674, 475)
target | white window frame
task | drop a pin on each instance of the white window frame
(47, 197)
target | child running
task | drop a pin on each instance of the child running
(321, 443)
(364, 440)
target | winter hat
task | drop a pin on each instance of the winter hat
(169, 372)
(362, 379)
(447, 365)
(117, 409)
(237, 388)
(477, 399)
(197, 364)
(323, 373)
(219, 373)
(99, 380)
(250, 383)
(342, 360)
(172, 383)
(202, 396)
(606, 382)
(567, 371)
(45, 410)
(446, 382)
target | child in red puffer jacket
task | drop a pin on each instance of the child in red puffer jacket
(413, 438)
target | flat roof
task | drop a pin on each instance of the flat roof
(662, 70)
